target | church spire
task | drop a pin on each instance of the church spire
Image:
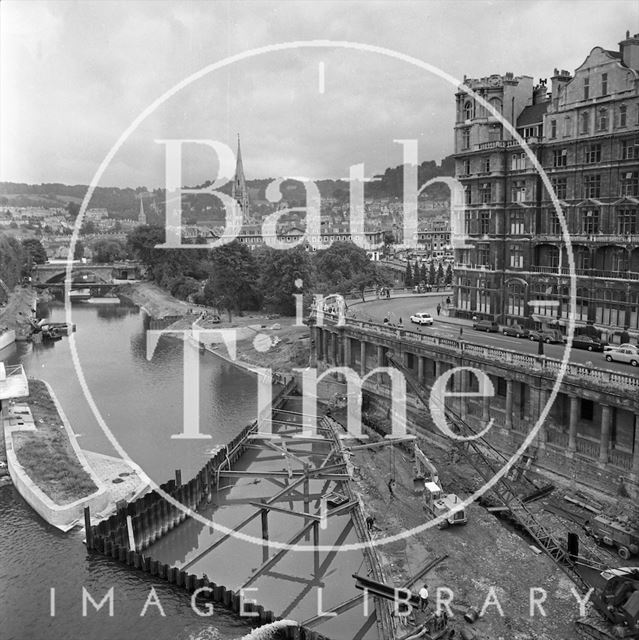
(239, 191)
(141, 215)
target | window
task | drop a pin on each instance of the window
(585, 122)
(560, 186)
(587, 409)
(553, 128)
(483, 254)
(502, 387)
(590, 221)
(465, 138)
(630, 149)
(586, 88)
(486, 165)
(567, 126)
(592, 186)
(486, 193)
(518, 161)
(559, 157)
(495, 103)
(630, 183)
(517, 225)
(483, 296)
(602, 119)
(484, 222)
(518, 191)
(604, 84)
(627, 221)
(464, 294)
(516, 299)
(553, 226)
(623, 112)
(516, 256)
(468, 222)
(592, 153)
(466, 167)
(468, 110)
(468, 195)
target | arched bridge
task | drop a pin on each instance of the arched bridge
(83, 274)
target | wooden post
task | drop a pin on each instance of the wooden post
(178, 478)
(265, 549)
(87, 528)
(316, 555)
(129, 526)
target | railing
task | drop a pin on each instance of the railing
(621, 459)
(588, 447)
(499, 355)
(558, 438)
(13, 382)
(590, 273)
(476, 267)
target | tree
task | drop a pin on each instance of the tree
(233, 278)
(389, 241)
(431, 274)
(440, 274)
(34, 249)
(73, 209)
(337, 267)
(12, 261)
(449, 275)
(416, 279)
(408, 277)
(280, 270)
(88, 228)
(78, 250)
(423, 274)
(105, 251)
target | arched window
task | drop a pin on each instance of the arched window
(468, 110)
(495, 103)
(585, 122)
(623, 111)
(602, 119)
(516, 299)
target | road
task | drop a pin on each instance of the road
(404, 307)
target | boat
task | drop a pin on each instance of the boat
(103, 300)
(80, 295)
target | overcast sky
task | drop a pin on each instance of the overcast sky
(75, 75)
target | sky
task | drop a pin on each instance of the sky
(74, 76)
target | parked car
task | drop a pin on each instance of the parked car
(486, 325)
(422, 318)
(588, 342)
(546, 335)
(623, 353)
(515, 330)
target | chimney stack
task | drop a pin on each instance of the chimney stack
(629, 49)
(559, 80)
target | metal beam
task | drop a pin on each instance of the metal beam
(269, 507)
(381, 443)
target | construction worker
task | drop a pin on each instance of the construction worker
(423, 598)
(391, 484)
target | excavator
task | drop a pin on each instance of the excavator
(436, 502)
(614, 593)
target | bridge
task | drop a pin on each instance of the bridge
(591, 432)
(53, 274)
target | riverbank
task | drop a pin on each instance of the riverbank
(15, 314)
(157, 302)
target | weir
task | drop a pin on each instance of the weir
(155, 537)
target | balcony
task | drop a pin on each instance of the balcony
(588, 273)
(599, 238)
(474, 267)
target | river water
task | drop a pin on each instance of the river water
(141, 402)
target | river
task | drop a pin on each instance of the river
(141, 402)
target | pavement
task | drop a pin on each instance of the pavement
(449, 327)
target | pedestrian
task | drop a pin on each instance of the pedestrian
(423, 598)
(385, 320)
(401, 322)
(475, 318)
(370, 523)
(439, 308)
(625, 336)
(448, 300)
(391, 484)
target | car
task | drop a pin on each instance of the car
(623, 353)
(588, 342)
(422, 318)
(546, 335)
(515, 330)
(490, 326)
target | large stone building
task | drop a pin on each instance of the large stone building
(585, 134)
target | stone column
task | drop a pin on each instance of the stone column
(380, 356)
(509, 404)
(319, 344)
(604, 444)
(438, 369)
(326, 339)
(362, 358)
(635, 453)
(542, 435)
(461, 386)
(420, 369)
(348, 358)
(485, 408)
(572, 424)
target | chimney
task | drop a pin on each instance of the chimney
(540, 92)
(629, 49)
(559, 80)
